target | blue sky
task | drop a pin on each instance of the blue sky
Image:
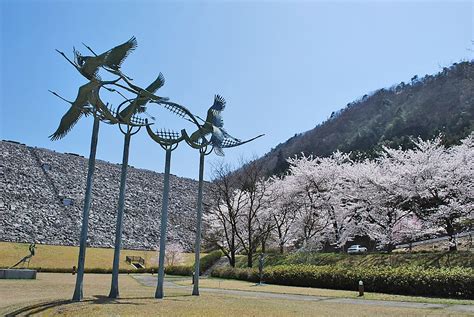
(283, 67)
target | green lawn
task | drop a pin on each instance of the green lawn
(50, 295)
(54, 256)
(280, 289)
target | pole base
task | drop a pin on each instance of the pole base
(114, 293)
(77, 297)
(159, 295)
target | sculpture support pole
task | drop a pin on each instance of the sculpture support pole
(114, 288)
(164, 219)
(197, 244)
(85, 215)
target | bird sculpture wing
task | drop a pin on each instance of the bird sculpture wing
(214, 113)
(68, 121)
(137, 106)
(89, 65)
(228, 141)
(86, 95)
(219, 135)
(233, 142)
(152, 88)
(117, 55)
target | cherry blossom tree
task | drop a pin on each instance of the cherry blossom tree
(174, 254)
(438, 181)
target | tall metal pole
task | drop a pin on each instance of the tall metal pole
(114, 288)
(164, 220)
(78, 294)
(197, 244)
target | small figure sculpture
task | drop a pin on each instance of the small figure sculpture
(27, 258)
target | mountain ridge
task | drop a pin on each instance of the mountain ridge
(425, 107)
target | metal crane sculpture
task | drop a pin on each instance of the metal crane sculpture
(219, 139)
(110, 60)
(78, 108)
(169, 141)
(87, 102)
(126, 118)
(214, 125)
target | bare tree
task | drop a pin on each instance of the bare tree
(252, 225)
(226, 204)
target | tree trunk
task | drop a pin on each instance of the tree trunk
(232, 259)
(390, 247)
(281, 248)
(249, 259)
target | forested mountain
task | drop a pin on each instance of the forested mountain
(425, 107)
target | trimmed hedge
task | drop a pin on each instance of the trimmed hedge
(452, 282)
(185, 270)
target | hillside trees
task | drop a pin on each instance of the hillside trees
(400, 196)
(429, 187)
(438, 182)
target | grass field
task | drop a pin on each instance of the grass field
(49, 296)
(280, 289)
(53, 256)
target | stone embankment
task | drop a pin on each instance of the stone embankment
(42, 195)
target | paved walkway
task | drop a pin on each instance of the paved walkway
(148, 280)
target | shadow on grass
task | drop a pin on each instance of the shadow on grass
(98, 299)
(37, 308)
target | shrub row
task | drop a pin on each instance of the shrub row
(94, 270)
(206, 262)
(185, 270)
(446, 282)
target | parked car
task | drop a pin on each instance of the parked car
(356, 248)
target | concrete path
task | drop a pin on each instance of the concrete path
(148, 280)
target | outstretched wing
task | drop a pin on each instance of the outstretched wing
(68, 121)
(152, 88)
(117, 55)
(157, 84)
(219, 103)
(214, 112)
(137, 106)
(232, 142)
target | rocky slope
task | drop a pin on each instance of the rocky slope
(42, 194)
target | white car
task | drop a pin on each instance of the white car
(355, 248)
